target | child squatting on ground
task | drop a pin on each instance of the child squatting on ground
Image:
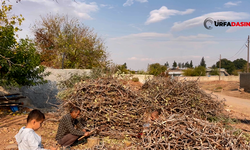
(27, 139)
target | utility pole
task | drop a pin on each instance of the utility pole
(248, 54)
(219, 67)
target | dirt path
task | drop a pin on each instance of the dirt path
(239, 105)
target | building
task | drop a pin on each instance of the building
(179, 72)
(173, 72)
(223, 72)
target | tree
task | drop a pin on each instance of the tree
(203, 63)
(156, 69)
(19, 63)
(239, 63)
(244, 69)
(182, 65)
(179, 65)
(214, 66)
(227, 64)
(187, 65)
(67, 41)
(174, 64)
(191, 64)
(166, 64)
(214, 71)
(197, 71)
(123, 68)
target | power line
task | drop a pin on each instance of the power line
(239, 50)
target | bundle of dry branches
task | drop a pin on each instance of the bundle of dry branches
(109, 102)
(182, 132)
(183, 97)
(106, 101)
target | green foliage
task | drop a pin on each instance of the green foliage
(141, 72)
(179, 65)
(188, 72)
(203, 63)
(135, 79)
(182, 65)
(123, 68)
(235, 73)
(166, 64)
(200, 71)
(19, 63)
(197, 71)
(227, 64)
(239, 63)
(174, 64)
(214, 71)
(191, 64)
(59, 36)
(245, 68)
(187, 65)
(156, 69)
(218, 88)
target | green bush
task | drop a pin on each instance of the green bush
(197, 71)
(135, 79)
(188, 72)
(235, 73)
(214, 71)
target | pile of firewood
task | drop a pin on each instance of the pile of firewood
(110, 103)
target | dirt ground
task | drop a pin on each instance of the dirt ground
(229, 88)
(237, 101)
(237, 107)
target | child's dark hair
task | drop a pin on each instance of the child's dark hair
(35, 114)
(158, 111)
(75, 109)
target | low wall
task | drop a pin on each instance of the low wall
(245, 81)
(211, 78)
(44, 95)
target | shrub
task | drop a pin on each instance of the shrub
(135, 79)
(197, 71)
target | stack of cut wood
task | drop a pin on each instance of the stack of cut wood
(11, 100)
(185, 107)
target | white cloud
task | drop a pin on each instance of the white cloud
(142, 59)
(138, 50)
(234, 29)
(198, 21)
(33, 9)
(107, 6)
(164, 13)
(230, 4)
(131, 2)
(145, 35)
(194, 37)
(133, 26)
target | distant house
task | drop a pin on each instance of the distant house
(175, 72)
(179, 72)
(223, 72)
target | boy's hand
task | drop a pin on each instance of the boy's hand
(87, 134)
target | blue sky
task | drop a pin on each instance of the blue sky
(142, 32)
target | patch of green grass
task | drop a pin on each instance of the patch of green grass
(246, 136)
(223, 119)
